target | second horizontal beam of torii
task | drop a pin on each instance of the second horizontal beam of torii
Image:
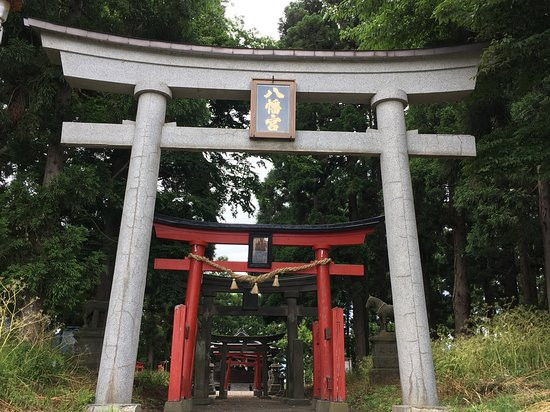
(368, 143)
(262, 311)
(184, 264)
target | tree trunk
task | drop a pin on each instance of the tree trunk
(54, 162)
(527, 279)
(353, 209)
(427, 287)
(461, 292)
(509, 280)
(360, 325)
(120, 160)
(544, 210)
(75, 11)
(32, 313)
(151, 357)
(488, 293)
(110, 231)
(347, 323)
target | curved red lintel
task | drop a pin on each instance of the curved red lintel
(346, 234)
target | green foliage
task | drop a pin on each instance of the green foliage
(35, 375)
(494, 18)
(46, 247)
(252, 325)
(374, 24)
(362, 395)
(59, 234)
(305, 335)
(305, 26)
(494, 192)
(502, 366)
(511, 345)
(38, 377)
(150, 388)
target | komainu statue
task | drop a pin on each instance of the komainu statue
(385, 362)
(382, 309)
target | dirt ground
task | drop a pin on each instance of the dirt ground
(245, 401)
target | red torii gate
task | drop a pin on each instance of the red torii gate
(244, 350)
(251, 360)
(329, 373)
(237, 359)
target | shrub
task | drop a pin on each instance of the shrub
(503, 365)
(362, 395)
(150, 389)
(509, 349)
(34, 375)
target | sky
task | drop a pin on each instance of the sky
(263, 16)
(239, 253)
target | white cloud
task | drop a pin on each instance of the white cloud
(262, 15)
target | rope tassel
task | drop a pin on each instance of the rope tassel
(234, 285)
(276, 281)
(254, 290)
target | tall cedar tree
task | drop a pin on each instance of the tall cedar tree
(61, 206)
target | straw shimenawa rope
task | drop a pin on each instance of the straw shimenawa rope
(254, 280)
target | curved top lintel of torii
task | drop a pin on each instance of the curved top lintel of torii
(105, 62)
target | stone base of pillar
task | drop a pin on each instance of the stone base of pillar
(407, 408)
(385, 362)
(89, 343)
(331, 406)
(211, 385)
(115, 407)
(314, 403)
(296, 402)
(185, 405)
(202, 401)
(258, 392)
(384, 376)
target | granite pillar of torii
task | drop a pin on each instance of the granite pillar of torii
(155, 71)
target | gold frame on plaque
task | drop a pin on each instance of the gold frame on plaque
(254, 133)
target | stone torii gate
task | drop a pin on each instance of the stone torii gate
(156, 71)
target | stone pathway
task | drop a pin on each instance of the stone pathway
(245, 401)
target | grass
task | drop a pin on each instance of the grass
(151, 389)
(503, 366)
(34, 375)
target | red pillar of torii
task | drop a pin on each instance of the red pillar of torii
(329, 374)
